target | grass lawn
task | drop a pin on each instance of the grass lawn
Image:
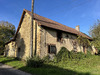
(86, 66)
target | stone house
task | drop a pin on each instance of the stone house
(48, 37)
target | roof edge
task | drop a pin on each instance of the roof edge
(14, 38)
(24, 11)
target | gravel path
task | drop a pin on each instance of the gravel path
(7, 70)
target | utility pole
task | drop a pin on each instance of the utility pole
(32, 25)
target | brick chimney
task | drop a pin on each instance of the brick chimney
(77, 28)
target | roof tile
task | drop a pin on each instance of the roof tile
(55, 25)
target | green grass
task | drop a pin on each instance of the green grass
(86, 66)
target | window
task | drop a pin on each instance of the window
(52, 49)
(74, 45)
(67, 36)
(59, 36)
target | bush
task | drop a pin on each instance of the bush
(34, 62)
(65, 55)
(98, 48)
(1, 52)
(46, 59)
(88, 54)
(80, 55)
(77, 55)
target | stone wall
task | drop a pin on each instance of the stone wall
(49, 36)
(10, 49)
(22, 42)
(23, 38)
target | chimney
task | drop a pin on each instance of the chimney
(77, 28)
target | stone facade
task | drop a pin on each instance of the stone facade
(49, 37)
(22, 42)
(42, 38)
(10, 49)
(23, 38)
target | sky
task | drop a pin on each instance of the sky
(68, 12)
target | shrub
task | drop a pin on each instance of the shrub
(46, 59)
(98, 48)
(88, 53)
(65, 55)
(80, 55)
(1, 52)
(77, 55)
(34, 62)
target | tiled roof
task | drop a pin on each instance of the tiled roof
(51, 24)
(55, 25)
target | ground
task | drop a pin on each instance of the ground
(86, 66)
(7, 70)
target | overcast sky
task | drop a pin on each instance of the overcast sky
(68, 12)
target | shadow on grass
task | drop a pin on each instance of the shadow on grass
(46, 70)
(1, 56)
(51, 70)
(8, 60)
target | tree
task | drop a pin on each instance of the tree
(95, 34)
(7, 31)
(83, 41)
